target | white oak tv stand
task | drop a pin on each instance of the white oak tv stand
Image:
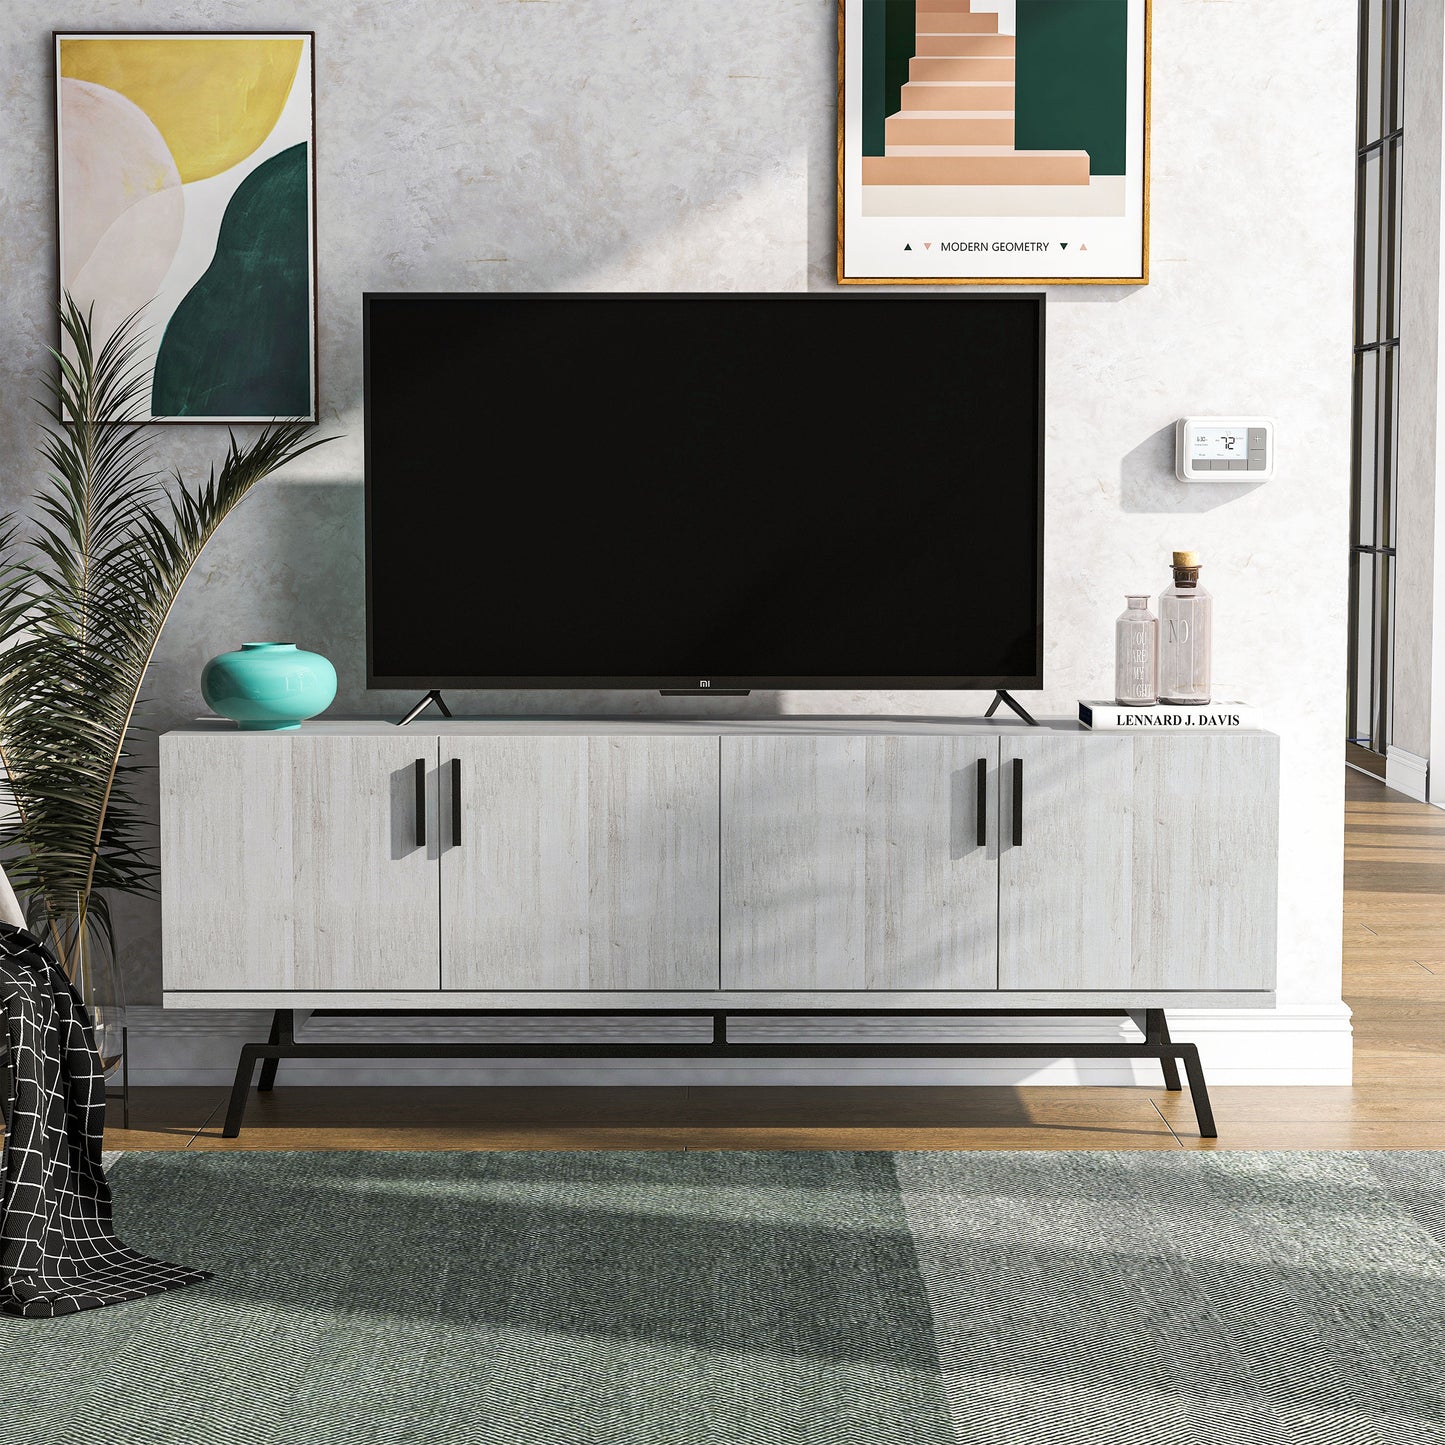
(794, 865)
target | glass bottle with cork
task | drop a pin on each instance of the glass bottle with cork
(1185, 635)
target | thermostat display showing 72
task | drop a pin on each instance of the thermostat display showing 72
(1224, 449)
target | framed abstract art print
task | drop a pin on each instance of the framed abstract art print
(993, 141)
(186, 191)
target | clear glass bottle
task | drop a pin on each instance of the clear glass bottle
(1185, 635)
(1136, 654)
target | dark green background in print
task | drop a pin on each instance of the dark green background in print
(889, 37)
(1072, 78)
(240, 343)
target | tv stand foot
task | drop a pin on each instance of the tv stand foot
(434, 696)
(1155, 1044)
(1000, 696)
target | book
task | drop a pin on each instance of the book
(1216, 715)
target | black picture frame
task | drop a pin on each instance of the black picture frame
(309, 36)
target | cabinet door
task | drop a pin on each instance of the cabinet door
(1141, 862)
(855, 863)
(580, 863)
(294, 862)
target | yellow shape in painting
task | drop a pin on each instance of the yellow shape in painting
(214, 100)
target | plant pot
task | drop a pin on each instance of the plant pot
(268, 686)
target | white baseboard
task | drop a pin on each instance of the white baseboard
(1407, 773)
(1297, 1044)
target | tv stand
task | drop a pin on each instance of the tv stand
(434, 696)
(1001, 696)
(826, 868)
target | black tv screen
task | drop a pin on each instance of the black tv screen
(704, 491)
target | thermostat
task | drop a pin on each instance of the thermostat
(1224, 449)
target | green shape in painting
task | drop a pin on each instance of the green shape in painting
(1072, 80)
(239, 344)
(889, 39)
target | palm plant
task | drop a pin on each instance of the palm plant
(86, 586)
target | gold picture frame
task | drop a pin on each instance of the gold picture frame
(1138, 278)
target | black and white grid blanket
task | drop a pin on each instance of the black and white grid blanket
(58, 1250)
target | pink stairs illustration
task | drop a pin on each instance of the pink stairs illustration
(956, 127)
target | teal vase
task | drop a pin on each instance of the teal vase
(268, 686)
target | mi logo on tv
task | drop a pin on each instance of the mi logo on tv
(703, 682)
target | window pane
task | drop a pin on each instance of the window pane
(1362, 633)
(1368, 280)
(1384, 652)
(1372, 19)
(1363, 508)
(1392, 295)
(1386, 446)
(1394, 48)
(1378, 253)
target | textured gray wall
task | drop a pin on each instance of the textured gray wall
(648, 144)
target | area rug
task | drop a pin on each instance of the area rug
(1143, 1298)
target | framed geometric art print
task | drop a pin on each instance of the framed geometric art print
(993, 141)
(185, 179)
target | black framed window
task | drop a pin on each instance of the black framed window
(1379, 146)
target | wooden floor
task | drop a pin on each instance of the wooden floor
(1394, 960)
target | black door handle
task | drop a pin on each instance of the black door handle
(1018, 802)
(982, 809)
(456, 802)
(421, 802)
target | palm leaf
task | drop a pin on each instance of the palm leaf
(85, 593)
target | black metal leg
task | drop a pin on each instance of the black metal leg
(1157, 1044)
(1203, 1111)
(245, 1071)
(283, 1031)
(1156, 1031)
(125, 1078)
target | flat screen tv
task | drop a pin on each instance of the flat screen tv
(704, 492)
